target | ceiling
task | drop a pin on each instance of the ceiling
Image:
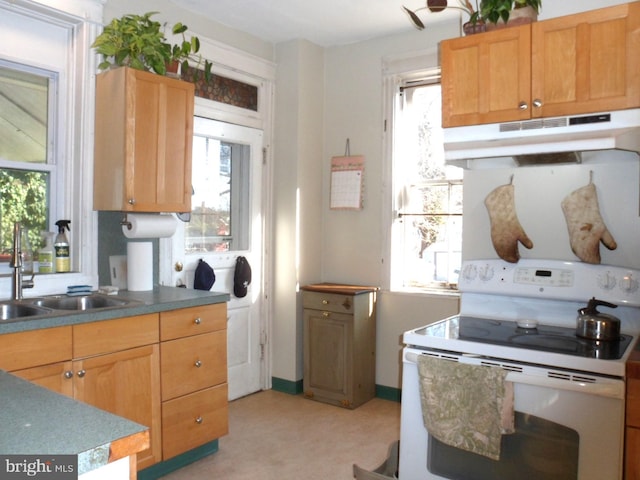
(326, 23)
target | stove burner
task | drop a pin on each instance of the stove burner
(546, 338)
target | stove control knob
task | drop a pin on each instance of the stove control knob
(607, 281)
(486, 273)
(470, 272)
(628, 284)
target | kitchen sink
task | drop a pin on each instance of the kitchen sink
(12, 311)
(81, 302)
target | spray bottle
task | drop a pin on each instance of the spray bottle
(46, 254)
(61, 246)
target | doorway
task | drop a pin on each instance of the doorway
(226, 221)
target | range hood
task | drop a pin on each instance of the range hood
(599, 131)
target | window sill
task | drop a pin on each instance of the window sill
(49, 284)
(433, 292)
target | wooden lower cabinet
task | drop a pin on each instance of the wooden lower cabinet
(339, 329)
(127, 384)
(194, 419)
(193, 359)
(121, 365)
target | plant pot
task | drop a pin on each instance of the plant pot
(518, 16)
(173, 69)
(471, 28)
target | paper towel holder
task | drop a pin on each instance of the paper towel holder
(126, 222)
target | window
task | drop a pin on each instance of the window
(426, 236)
(27, 107)
(49, 54)
(221, 179)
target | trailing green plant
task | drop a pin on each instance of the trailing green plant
(439, 6)
(495, 10)
(139, 42)
(187, 50)
(488, 11)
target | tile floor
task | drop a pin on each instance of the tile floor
(278, 436)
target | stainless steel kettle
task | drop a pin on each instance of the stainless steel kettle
(594, 325)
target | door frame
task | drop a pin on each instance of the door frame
(235, 64)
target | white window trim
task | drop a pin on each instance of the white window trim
(396, 70)
(82, 20)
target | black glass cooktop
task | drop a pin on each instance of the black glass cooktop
(546, 338)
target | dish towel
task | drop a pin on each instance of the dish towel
(466, 406)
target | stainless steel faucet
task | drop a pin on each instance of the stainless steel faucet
(17, 282)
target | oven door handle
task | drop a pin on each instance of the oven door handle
(612, 390)
(559, 380)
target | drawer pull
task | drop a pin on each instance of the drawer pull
(326, 314)
(82, 373)
(325, 302)
(199, 420)
(198, 364)
(197, 321)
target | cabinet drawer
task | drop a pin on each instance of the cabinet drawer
(114, 335)
(195, 419)
(331, 302)
(193, 321)
(633, 402)
(38, 347)
(193, 363)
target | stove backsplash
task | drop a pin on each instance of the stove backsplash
(539, 191)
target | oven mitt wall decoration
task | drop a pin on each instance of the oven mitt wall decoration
(586, 227)
(204, 276)
(506, 230)
(241, 277)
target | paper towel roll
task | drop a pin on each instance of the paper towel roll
(149, 225)
(139, 266)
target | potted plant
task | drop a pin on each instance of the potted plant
(440, 5)
(139, 42)
(499, 12)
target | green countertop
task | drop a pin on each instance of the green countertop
(157, 300)
(37, 421)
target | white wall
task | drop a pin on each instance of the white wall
(199, 25)
(297, 188)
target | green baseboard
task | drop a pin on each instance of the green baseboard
(388, 393)
(286, 386)
(295, 388)
(163, 468)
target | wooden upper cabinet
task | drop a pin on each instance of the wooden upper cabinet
(576, 64)
(588, 62)
(486, 77)
(143, 141)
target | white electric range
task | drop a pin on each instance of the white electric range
(522, 318)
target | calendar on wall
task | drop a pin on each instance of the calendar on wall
(347, 182)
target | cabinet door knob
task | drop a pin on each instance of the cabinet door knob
(326, 314)
(523, 105)
(68, 374)
(199, 420)
(198, 364)
(537, 103)
(82, 373)
(197, 321)
(131, 201)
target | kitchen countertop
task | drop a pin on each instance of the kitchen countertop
(157, 300)
(37, 421)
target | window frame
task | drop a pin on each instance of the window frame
(400, 72)
(78, 24)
